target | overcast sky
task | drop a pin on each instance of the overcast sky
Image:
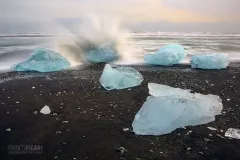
(137, 15)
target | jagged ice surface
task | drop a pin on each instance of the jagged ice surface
(168, 109)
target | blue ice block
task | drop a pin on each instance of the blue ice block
(166, 56)
(170, 108)
(120, 77)
(43, 60)
(210, 61)
(102, 55)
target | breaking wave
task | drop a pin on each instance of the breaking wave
(94, 33)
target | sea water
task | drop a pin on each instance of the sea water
(15, 48)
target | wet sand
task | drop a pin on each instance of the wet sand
(87, 122)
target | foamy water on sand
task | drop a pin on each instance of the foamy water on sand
(16, 48)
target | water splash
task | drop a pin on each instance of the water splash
(93, 33)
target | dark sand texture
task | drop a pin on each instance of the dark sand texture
(96, 117)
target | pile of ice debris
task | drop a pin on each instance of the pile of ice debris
(114, 77)
(166, 56)
(210, 61)
(43, 60)
(170, 108)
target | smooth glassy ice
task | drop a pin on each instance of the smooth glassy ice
(168, 55)
(168, 109)
(43, 60)
(210, 61)
(158, 90)
(114, 77)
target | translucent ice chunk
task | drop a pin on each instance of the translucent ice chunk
(210, 61)
(170, 110)
(168, 55)
(43, 60)
(233, 133)
(102, 54)
(45, 110)
(120, 77)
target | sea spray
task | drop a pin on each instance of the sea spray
(93, 34)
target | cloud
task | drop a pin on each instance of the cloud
(131, 12)
(224, 10)
(164, 26)
(128, 10)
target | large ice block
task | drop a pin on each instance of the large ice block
(169, 109)
(168, 55)
(43, 60)
(210, 61)
(102, 55)
(114, 77)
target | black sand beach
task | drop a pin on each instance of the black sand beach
(87, 121)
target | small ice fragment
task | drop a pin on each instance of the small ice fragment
(17, 102)
(188, 149)
(220, 136)
(43, 60)
(168, 55)
(121, 150)
(200, 153)
(172, 108)
(207, 140)
(212, 129)
(35, 112)
(64, 121)
(45, 110)
(114, 77)
(125, 129)
(33, 87)
(233, 133)
(228, 99)
(210, 61)
(9, 129)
